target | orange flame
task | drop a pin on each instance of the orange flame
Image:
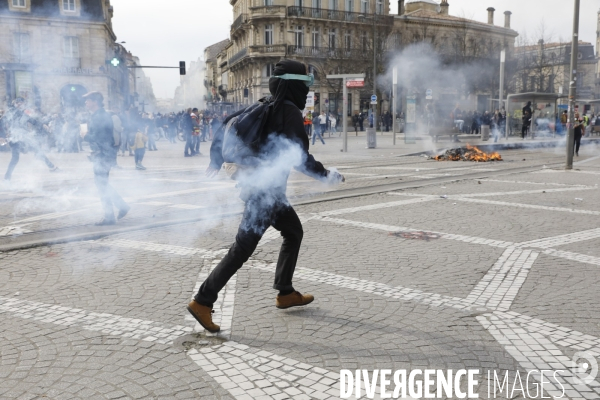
(471, 154)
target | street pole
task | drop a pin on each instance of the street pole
(345, 115)
(501, 95)
(374, 74)
(573, 88)
(394, 101)
(344, 78)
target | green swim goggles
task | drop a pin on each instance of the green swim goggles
(308, 80)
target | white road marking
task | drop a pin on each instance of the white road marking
(377, 206)
(568, 238)
(535, 352)
(528, 206)
(186, 206)
(499, 287)
(108, 324)
(166, 248)
(224, 306)
(49, 216)
(154, 203)
(248, 373)
(13, 230)
(532, 183)
(376, 288)
(215, 186)
(391, 228)
(582, 258)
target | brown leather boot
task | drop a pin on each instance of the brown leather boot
(293, 300)
(203, 315)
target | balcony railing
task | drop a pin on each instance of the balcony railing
(241, 19)
(326, 52)
(268, 49)
(238, 56)
(336, 15)
(266, 11)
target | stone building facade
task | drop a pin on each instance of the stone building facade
(545, 68)
(319, 33)
(52, 52)
(337, 36)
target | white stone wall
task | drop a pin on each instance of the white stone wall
(47, 57)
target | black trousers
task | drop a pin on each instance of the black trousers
(257, 217)
(577, 143)
(108, 195)
(16, 153)
(524, 130)
(188, 146)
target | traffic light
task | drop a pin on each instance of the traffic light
(181, 67)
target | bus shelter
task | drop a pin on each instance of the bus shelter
(545, 119)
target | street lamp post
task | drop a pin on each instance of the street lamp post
(573, 87)
(374, 66)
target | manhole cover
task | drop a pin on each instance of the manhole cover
(197, 340)
(416, 235)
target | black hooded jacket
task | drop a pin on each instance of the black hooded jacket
(285, 120)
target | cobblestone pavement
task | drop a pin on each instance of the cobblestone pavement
(497, 273)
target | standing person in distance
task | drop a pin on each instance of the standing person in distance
(265, 200)
(187, 126)
(100, 135)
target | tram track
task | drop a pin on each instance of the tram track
(86, 232)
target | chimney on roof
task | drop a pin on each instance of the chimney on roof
(400, 7)
(507, 15)
(491, 15)
(444, 7)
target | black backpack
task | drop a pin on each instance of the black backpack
(243, 133)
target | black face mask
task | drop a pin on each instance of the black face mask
(292, 90)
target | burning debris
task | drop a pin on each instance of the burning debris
(470, 153)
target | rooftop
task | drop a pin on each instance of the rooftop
(211, 51)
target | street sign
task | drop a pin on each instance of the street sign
(310, 101)
(373, 99)
(355, 83)
(429, 94)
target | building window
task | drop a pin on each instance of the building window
(364, 41)
(268, 2)
(21, 46)
(71, 47)
(332, 39)
(316, 37)
(299, 36)
(364, 6)
(269, 68)
(268, 34)
(316, 3)
(314, 71)
(333, 4)
(19, 3)
(349, 5)
(68, 5)
(348, 40)
(379, 7)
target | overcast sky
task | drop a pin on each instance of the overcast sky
(164, 35)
